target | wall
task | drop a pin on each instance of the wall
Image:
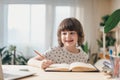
(115, 4)
(100, 8)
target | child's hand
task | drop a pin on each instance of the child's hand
(46, 63)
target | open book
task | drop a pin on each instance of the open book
(75, 67)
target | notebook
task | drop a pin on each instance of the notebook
(13, 74)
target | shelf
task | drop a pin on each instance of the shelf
(114, 33)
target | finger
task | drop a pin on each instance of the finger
(50, 61)
(45, 66)
(46, 63)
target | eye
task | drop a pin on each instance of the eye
(64, 33)
(73, 32)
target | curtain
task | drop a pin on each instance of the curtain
(32, 25)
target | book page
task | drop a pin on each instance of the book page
(58, 67)
(80, 66)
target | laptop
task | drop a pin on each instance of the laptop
(9, 74)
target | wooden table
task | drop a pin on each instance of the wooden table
(42, 75)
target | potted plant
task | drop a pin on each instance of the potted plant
(104, 19)
(9, 56)
(6, 55)
(110, 41)
(112, 21)
(85, 47)
(100, 42)
(102, 25)
(109, 22)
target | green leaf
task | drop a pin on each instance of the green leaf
(1, 49)
(85, 47)
(112, 21)
(100, 43)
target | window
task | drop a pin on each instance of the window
(26, 25)
(34, 26)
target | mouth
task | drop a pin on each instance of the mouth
(68, 40)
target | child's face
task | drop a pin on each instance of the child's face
(69, 38)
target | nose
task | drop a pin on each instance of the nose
(67, 35)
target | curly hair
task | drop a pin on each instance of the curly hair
(71, 24)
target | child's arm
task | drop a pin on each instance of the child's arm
(39, 62)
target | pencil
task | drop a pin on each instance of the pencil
(39, 54)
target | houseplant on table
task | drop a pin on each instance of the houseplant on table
(9, 56)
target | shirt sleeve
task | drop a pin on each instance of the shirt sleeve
(51, 54)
